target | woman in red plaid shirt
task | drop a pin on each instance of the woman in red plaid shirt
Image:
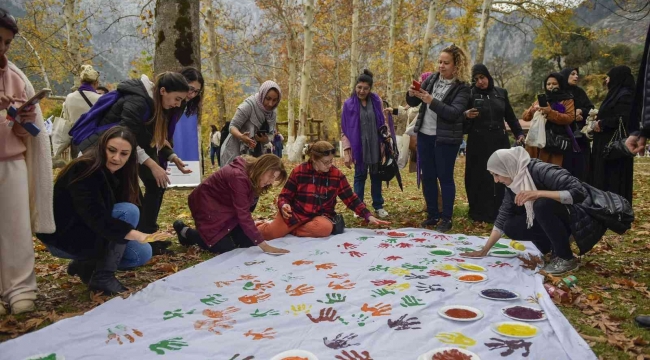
(308, 199)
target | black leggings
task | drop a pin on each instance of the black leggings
(233, 240)
(150, 202)
(550, 231)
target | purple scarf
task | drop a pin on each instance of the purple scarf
(559, 107)
(87, 87)
(351, 123)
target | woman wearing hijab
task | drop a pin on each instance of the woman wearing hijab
(614, 175)
(253, 122)
(542, 204)
(361, 119)
(560, 112)
(574, 160)
(489, 107)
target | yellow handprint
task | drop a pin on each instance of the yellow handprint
(400, 287)
(399, 271)
(447, 267)
(300, 309)
(456, 338)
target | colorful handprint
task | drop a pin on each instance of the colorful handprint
(383, 282)
(345, 285)
(409, 301)
(122, 330)
(173, 344)
(221, 284)
(456, 338)
(399, 287)
(353, 355)
(300, 309)
(302, 262)
(380, 309)
(327, 266)
(333, 298)
(348, 246)
(267, 333)
(337, 276)
(354, 254)
(340, 341)
(300, 290)
(259, 314)
(328, 315)
(255, 298)
(393, 258)
(404, 324)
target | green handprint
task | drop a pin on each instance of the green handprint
(341, 319)
(333, 298)
(425, 261)
(176, 313)
(364, 238)
(391, 241)
(382, 292)
(47, 357)
(408, 301)
(214, 299)
(414, 267)
(258, 314)
(361, 319)
(379, 268)
(172, 344)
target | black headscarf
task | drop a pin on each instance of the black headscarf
(559, 95)
(621, 83)
(579, 95)
(483, 70)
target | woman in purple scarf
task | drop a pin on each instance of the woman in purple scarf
(360, 122)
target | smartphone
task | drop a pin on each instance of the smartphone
(416, 85)
(541, 100)
(35, 99)
(478, 104)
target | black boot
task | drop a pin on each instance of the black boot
(82, 268)
(103, 279)
(160, 248)
(643, 321)
(179, 225)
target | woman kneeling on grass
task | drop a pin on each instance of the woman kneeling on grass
(307, 202)
(543, 203)
(222, 205)
(96, 213)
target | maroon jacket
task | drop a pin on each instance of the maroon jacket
(222, 202)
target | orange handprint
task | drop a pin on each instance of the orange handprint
(346, 285)
(337, 276)
(221, 284)
(122, 330)
(377, 310)
(217, 314)
(247, 277)
(268, 333)
(302, 262)
(300, 290)
(211, 325)
(327, 266)
(254, 299)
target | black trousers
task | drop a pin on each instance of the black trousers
(150, 201)
(233, 240)
(550, 231)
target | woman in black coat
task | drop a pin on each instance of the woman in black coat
(544, 204)
(485, 126)
(613, 175)
(96, 213)
(574, 160)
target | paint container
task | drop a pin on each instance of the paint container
(517, 245)
(553, 291)
(570, 281)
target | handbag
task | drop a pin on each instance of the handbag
(338, 224)
(616, 148)
(557, 143)
(60, 138)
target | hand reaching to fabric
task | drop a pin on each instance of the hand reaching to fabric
(374, 221)
(473, 254)
(286, 211)
(181, 166)
(271, 249)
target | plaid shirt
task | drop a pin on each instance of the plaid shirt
(311, 193)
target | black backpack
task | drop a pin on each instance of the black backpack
(611, 209)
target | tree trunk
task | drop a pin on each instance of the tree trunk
(354, 46)
(305, 82)
(216, 64)
(337, 70)
(46, 79)
(178, 35)
(391, 53)
(426, 39)
(483, 31)
(72, 34)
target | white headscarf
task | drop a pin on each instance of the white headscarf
(513, 163)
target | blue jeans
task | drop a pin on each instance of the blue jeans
(215, 151)
(136, 254)
(437, 163)
(360, 176)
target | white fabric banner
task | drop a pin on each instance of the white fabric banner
(360, 295)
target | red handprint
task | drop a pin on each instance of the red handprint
(384, 245)
(454, 259)
(302, 262)
(337, 276)
(404, 245)
(383, 282)
(328, 315)
(419, 240)
(327, 266)
(380, 233)
(348, 246)
(500, 265)
(438, 273)
(393, 258)
(300, 290)
(354, 253)
(440, 237)
(346, 285)
(268, 333)
(254, 299)
(221, 284)
(380, 309)
(426, 234)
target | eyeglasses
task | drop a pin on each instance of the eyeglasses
(327, 152)
(192, 90)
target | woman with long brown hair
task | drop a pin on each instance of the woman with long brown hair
(306, 205)
(96, 213)
(222, 205)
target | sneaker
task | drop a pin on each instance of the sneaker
(381, 213)
(444, 226)
(429, 222)
(559, 266)
(23, 306)
(179, 225)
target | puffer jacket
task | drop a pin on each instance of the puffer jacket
(450, 110)
(641, 106)
(586, 230)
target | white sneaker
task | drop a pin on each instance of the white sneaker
(381, 213)
(23, 306)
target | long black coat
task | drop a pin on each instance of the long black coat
(641, 109)
(586, 230)
(487, 134)
(449, 110)
(83, 213)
